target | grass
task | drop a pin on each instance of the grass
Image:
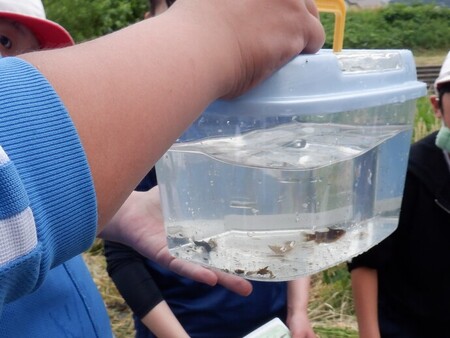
(425, 122)
(429, 58)
(118, 310)
(331, 308)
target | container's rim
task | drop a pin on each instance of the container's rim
(323, 103)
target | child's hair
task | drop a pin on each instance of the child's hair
(152, 5)
(443, 88)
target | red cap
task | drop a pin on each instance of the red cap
(31, 14)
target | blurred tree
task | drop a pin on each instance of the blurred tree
(87, 19)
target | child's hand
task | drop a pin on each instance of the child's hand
(259, 36)
(139, 224)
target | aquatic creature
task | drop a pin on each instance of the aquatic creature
(208, 246)
(282, 249)
(262, 272)
(265, 271)
(327, 235)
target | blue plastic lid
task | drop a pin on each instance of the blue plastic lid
(329, 82)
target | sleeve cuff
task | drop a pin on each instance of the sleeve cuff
(41, 141)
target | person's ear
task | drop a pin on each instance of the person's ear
(434, 100)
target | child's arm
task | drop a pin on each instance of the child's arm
(365, 297)
(163, 323)
(132, 93)
(297, 315)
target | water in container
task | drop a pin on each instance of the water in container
(300, 174)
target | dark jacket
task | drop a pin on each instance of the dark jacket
(413, 263)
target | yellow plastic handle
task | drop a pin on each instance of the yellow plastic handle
(338, 8)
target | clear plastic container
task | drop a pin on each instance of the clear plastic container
(300, 174)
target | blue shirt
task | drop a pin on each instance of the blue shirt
(48, 211)
(67, 304)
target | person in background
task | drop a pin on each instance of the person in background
(81, 126)
(165, 304)
(43, 313)
(401, 286)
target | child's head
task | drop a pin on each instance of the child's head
(24, 27)
(441, 105)
(441, 101)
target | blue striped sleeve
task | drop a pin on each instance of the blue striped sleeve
(48, 208)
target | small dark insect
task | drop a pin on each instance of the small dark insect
(261, 272)
(264, 271)
(204, 245)
(208, 246)
(327, 236)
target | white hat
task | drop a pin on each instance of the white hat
(444, 74)
(31, 14)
